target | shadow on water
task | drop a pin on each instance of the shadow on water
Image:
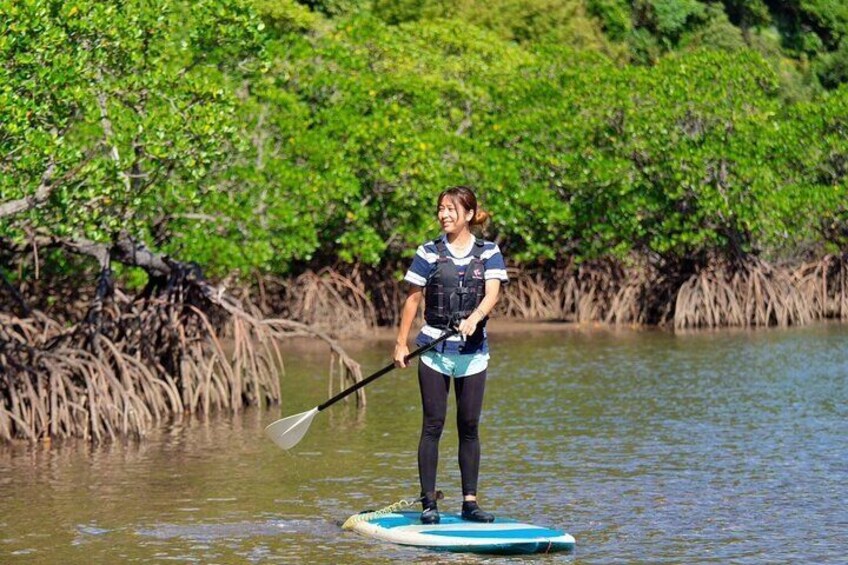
(647, 446)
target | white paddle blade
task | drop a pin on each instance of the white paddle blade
(289, 431)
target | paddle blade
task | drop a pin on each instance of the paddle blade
(289, 431)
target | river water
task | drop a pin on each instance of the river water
(647, 446)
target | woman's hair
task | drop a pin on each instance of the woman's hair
(465, 197)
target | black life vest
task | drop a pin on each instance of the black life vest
(447, 298)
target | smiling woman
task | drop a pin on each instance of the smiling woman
(458, 277)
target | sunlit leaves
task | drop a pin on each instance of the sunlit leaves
(132, 103)
(265, 142)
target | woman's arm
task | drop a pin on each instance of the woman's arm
(469, 325)
(407, 316)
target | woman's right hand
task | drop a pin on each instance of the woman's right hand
(401, 352)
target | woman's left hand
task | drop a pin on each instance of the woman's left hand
(469, 325)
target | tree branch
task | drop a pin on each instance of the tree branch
(42, 193)
(125, 251)
(45, 189)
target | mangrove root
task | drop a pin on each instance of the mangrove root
(182, 347)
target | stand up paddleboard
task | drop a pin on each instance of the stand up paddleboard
(503, 536)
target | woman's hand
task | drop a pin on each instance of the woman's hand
(469, 325)
(401, 351)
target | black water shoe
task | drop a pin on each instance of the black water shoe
(473, 513)
(430, 515)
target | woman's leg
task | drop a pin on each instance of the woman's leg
(434, 401)
(469, 405)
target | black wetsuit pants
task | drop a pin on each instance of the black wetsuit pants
(469, 403)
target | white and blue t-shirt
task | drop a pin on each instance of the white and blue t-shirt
(422, 268)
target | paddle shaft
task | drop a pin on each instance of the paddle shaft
(386, 369)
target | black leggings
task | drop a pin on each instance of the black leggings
(434, 401)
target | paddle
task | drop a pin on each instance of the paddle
(289, 431)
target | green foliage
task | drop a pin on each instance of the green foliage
(810, 155)
(828, 17)
(335, 8)
(747, 14)
(673, 17)
(401, 11)
(648, 159)
(614, 16)
(389, 113)
(832, 68)
(133, 107)
(264, 136)
(717, 33)
(564, 22)
(669, 19)
(285, 16)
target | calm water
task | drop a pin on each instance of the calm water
(648, 447)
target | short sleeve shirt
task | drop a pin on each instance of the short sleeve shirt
(422, 269)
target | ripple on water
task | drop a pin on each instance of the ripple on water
(647, 447)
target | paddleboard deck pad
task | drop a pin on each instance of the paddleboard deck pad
(452, 533)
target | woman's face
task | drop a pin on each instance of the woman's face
(452, 216)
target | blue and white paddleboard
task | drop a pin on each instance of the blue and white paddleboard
(503, 536)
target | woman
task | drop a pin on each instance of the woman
(459, 277)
